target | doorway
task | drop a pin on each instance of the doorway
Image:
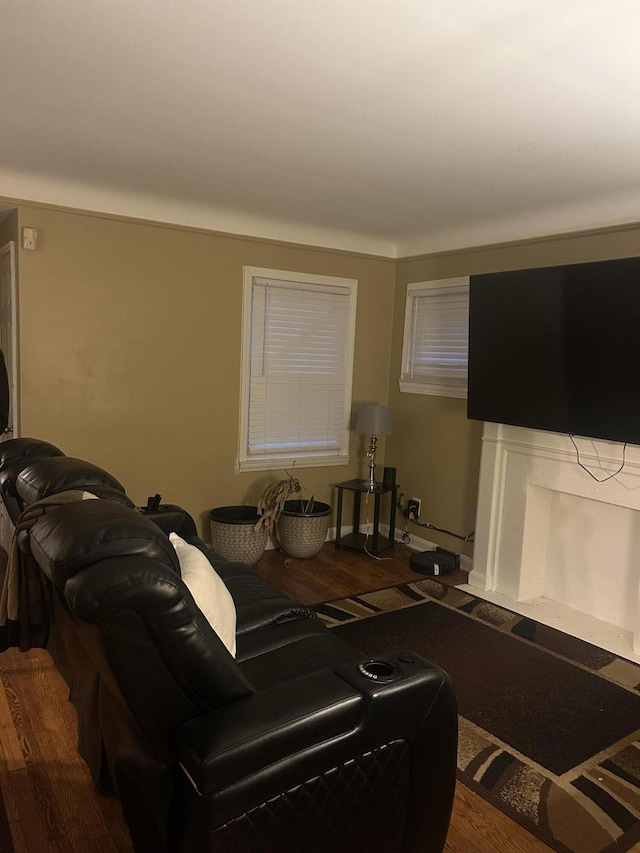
(9, 346)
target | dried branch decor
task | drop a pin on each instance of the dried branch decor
(273, 499)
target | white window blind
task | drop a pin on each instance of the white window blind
(300, 358)
(436, 338)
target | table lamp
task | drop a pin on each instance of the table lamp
(373, 420)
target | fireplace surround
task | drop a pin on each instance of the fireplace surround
(554, 543)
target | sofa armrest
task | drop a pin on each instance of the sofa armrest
(340, 713)
(223, 746)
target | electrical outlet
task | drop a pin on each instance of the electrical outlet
(413, 508)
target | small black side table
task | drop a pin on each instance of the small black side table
(361, 541)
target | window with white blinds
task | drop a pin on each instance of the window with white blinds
(298, 343)
(436, 338)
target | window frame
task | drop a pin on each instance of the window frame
(433, 387)
(269, 461)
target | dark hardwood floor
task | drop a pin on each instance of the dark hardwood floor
(50, 801)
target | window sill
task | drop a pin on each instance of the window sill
(410, 386)
(288, 462)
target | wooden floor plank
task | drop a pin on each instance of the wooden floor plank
(10, 749)
(62, 783)
(334, 573)
(51, 802)
(476, 825)
(28, 817)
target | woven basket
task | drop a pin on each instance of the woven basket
(303, 535)
(233, 534)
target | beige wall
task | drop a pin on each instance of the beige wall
(130, 356)
(130, 350)
(434, 447)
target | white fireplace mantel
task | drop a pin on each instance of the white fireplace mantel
(552, 542)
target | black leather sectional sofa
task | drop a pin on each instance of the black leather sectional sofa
(297, 743)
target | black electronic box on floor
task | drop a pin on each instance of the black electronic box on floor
(438, 562)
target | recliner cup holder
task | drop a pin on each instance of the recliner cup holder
(377, 670)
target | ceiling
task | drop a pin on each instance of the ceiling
(393, 127)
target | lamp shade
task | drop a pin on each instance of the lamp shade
(374, 419)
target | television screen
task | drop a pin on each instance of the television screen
(558, 348)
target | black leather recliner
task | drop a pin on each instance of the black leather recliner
(15, 455)
(299, 743)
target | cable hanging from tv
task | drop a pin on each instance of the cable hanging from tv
(590, 473)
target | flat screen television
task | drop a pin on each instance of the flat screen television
(558, 348)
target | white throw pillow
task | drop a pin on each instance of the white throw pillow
(208, 590)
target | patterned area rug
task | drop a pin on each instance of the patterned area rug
(549, 725)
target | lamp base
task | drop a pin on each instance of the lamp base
(370, 482)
